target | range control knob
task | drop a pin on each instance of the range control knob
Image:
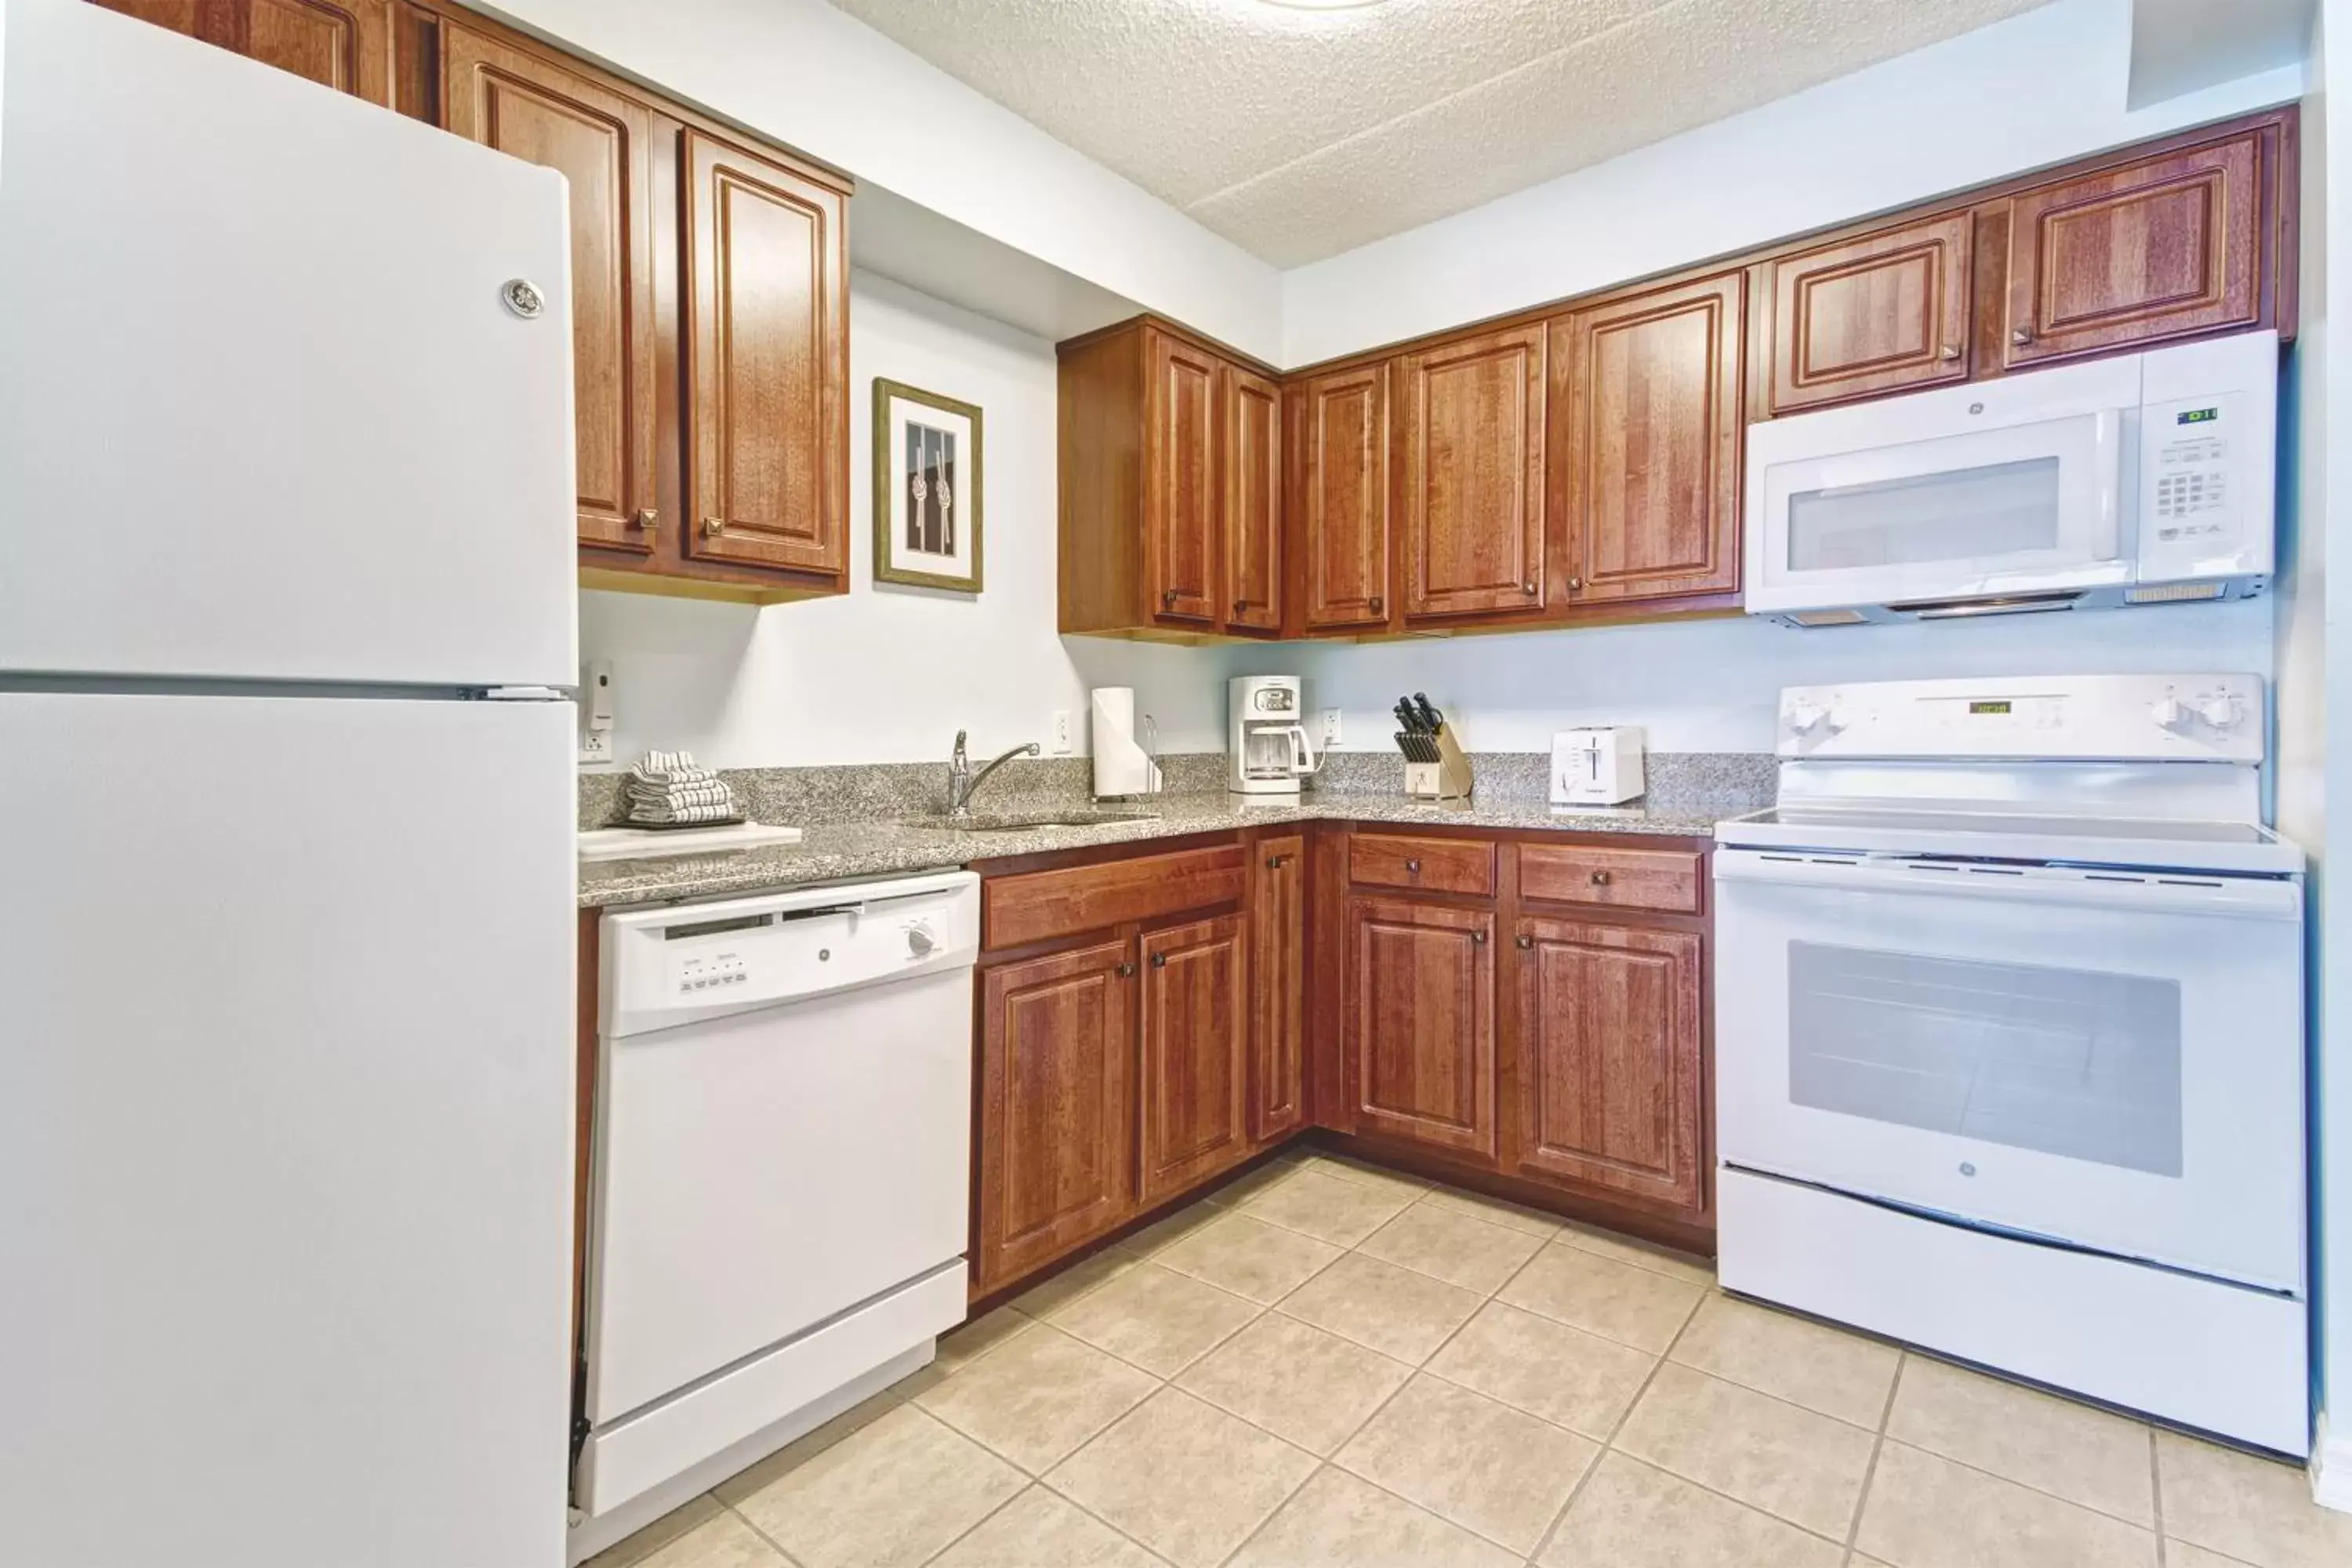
(2168, 712)
(921, 939)
(2221, 711)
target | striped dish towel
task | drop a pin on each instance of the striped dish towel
(669, 788)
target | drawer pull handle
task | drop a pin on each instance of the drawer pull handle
(1159, 961)
(1125, 970)
(1413, 867)
(1526, 942)
(1601, 879)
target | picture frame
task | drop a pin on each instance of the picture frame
(927, 486)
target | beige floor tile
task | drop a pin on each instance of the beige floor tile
(1793, 1358)
(1155, 1318)
(1616, 1300)
(1037, 1396)
(893, 1493)
(1041, 1529)
(726, 1541)
(2180, 1554)
(1169, 1229)
(1924, 1511)
(1365, 1175)
(679, 1523)
(1322, 1204)
(1391, 1309)
(968, 1340)
(1459, 1248)
(1565, 1375)
(1081, 1278)
(1631, 1515)
(1339, 1522)
(1465, 1458)
(1495, 1211)
(1184, 1477)
(1296, 1380)
(2255, 1509)
(1764, 1452)
(1640, 1254)
(1248, 1257)
(808, 1446)
(1241, 1189)
(2051, 1445)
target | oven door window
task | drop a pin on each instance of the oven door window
(2065, 1061)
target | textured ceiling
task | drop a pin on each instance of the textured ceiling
(1298, 135)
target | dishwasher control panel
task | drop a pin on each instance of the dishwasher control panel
(666, 967)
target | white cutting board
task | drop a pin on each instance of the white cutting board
(646, 843)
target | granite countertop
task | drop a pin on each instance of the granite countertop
(832, 852)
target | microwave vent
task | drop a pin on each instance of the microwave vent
(1827, 618)
(2173, 592)
(1963, 609)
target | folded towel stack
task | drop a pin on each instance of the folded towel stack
(669, 788)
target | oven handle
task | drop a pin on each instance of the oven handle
(2130, 892)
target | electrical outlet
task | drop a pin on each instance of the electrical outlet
(1061, 732)
(1331, 728)
(596, 745)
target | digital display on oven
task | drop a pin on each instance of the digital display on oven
(1991, 708)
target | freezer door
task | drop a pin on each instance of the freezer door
(264, 412)
(285, 1130)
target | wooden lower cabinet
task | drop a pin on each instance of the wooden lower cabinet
(1277, 991)
(1419, 1037)
(1193, 1087)
(1057, 1163)
(1610, 1063)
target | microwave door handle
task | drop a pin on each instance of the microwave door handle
(2106, 527)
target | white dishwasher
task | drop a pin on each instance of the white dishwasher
(781, 1169)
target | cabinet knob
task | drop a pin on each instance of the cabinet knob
(1380, 606)
(646, 520)
(714, 526)
(1167, 598)
(1478, 939)
(1528, 589)
(1159, 961)
(2020, 336)
(1951, 351)
(1277, 862)
(1526, 942)
(1240, 606)
(1575, 584)
(1125, 970)
(1413, 867)
(1601, 879)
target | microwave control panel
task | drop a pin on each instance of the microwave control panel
(2207, 449)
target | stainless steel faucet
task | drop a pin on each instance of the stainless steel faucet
(963, 781)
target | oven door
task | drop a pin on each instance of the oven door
(2105, 1060)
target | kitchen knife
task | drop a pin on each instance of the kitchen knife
(1431, 720)
(1407, 716)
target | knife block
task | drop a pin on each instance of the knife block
(1448, 778)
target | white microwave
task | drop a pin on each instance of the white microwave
(2146, 479)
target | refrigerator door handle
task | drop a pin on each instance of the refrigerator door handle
(528, 694)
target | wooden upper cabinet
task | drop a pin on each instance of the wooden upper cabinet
(1183, 543)
(1470, 433)
(1886, 312)
(2161, 248)
(1193, 1040)
(1277, 912)
(1338, 440)
(1250, 458)
(766, 335)
(1610, 1069)
(602, 143)
(343, 44)
(1056, 1112)
(1420, 1029)
(1646, 434)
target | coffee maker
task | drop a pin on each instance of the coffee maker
(1266, 747)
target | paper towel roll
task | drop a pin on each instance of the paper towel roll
(1121, 764)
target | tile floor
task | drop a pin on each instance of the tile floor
(1328, 1364)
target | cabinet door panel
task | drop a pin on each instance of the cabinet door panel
(1608, 1074)
(1181, 501)
(1886, 312)
(603, 144)
(1278, 987)
(1650, 445)
(1339, 430)
(1470, 418)
(1195, 1067)
(1055, 1116)
(767, 338)
(343, 44)
(1421, 1023)
(1252, 464)
(2152, 250)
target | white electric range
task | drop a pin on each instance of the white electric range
(2010, 1038)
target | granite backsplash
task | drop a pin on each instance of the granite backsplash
(1723, 783)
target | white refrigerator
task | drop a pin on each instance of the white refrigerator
(286, 801)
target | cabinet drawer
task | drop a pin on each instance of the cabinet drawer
(1665, 880)
(1036, 905)
(1424, 865)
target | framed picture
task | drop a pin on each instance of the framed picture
(927, 488)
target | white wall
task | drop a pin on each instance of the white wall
(819, 80)
(888, 674)
(2037, 90)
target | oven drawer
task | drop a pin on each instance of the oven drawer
(1422, 865)
(1667, 881)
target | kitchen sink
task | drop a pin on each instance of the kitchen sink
(1020, 821)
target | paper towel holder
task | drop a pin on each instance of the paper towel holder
(1123, 766)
